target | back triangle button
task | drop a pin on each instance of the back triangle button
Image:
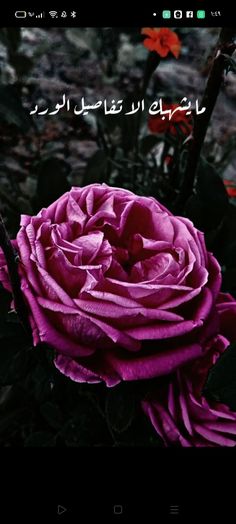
(61, 510)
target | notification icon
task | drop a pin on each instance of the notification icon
(166, 14)
(178, 14)
(201, 14)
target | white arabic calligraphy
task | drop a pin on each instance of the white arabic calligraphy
(116, 107)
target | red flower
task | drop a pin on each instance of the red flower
(162, 41)
(230, 186)
(157, 125)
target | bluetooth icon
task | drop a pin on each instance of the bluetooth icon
(73, 14)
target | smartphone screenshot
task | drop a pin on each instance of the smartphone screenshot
(117, 262)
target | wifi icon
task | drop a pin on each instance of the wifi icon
(53, 14)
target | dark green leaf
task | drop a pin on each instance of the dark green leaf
(225, 248)
(52, 181)
(5, 300)
(152, 63)
(221, 382)
(96, 168)
(87, 426)
(39, 382)
(209, 205)
(11, 109)
(3, 35)
(13, 39)
(229, 280)
(10, 420)
(140, 433)
(230, 64)
(10, 329)
(120, 407)
(14, 359)
(21, 63)
(230, 255)
(148, 142)
(40, 439)
(52, 414)
(129, 124)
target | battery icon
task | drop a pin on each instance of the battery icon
(20, 14)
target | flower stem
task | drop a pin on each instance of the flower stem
(153, 60)
(10, 256)
(224, 47)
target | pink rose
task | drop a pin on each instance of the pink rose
(105, 273)
(179, 412)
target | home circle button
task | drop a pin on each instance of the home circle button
(118, 509)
